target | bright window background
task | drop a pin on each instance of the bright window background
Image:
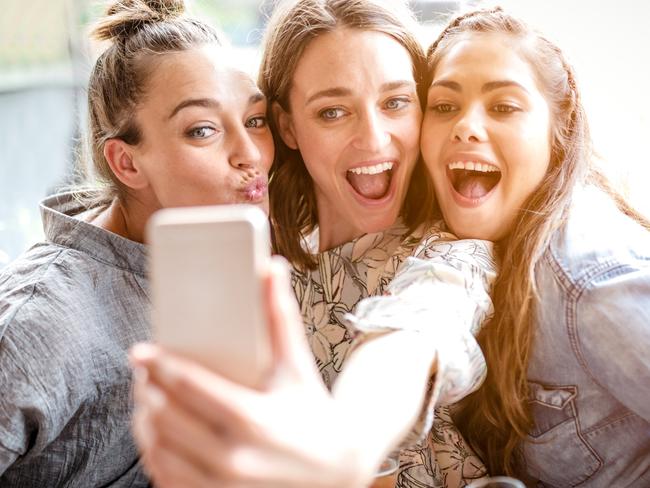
(45, 59)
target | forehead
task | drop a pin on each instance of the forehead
(485, 56)
(205, 71)
(347, 55)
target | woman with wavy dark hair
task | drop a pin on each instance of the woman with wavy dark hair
(505, 138)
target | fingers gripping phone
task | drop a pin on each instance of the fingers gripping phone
(206, 265)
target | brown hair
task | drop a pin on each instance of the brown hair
(496, 419)
(292, 26)
(139, 31)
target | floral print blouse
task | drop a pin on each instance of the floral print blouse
(429, 282)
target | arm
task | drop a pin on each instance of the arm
(441, 297)
(196, 428)
(25, 419)
(613, 335)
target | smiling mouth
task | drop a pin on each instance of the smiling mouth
(372, 181)
(473, 180)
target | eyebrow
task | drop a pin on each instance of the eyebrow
(195, 102)
(494, 85)
(342, 92)
(256, 97)
(489, 86)
(211, 103)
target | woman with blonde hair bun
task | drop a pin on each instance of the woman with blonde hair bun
(172, 123)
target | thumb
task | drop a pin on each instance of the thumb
(291, 351)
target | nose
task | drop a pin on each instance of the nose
(372, 132)
(244, 153)
(470, 126)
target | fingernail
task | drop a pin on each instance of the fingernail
(141, 352)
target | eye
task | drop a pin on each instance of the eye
(505, 108)
(201, 132)
(333, 113)
(397, 103)
(257, 122)
(443, 108)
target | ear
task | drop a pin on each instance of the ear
(120, 158)
(284, 123)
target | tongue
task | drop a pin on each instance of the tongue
(474, 185)
(370, 186)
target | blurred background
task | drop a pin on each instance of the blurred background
(45, 59)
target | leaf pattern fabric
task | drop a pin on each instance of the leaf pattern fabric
(427, 281)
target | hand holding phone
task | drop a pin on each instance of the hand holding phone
(206, 265)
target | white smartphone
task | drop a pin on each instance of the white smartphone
(206, 290)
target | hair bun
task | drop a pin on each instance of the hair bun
(124, 18)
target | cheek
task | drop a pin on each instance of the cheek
(410, 131)
(267, 150)
(412, 139)
(320, 170)
(540, 150)
(430, 144)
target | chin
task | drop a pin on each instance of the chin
(371, 224)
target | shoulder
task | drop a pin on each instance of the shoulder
(594, 286)
(33, 344)
(20, 279)
(597, 243)
(49, 293)
(596, 271)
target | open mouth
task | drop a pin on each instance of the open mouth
(372, 181)
(473, 180)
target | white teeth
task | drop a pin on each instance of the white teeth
(372, 170)
(473, 166)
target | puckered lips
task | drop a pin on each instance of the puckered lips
(472, 180)
(371, 181)
(255, 191)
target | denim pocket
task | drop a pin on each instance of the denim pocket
(555, 451)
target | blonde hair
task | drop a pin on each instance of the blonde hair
(139, 31)
(291, 28)
(496, 419)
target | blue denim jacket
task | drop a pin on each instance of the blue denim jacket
(589, 373)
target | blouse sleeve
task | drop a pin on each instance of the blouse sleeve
(441, 292)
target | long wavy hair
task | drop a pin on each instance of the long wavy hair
(496, 419)
(292, 27)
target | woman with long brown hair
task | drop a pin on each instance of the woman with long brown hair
(505, 138)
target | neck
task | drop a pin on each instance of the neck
(333, 229)
(126, 218)
(331, 236)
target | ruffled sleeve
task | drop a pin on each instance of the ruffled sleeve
(441, 291)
